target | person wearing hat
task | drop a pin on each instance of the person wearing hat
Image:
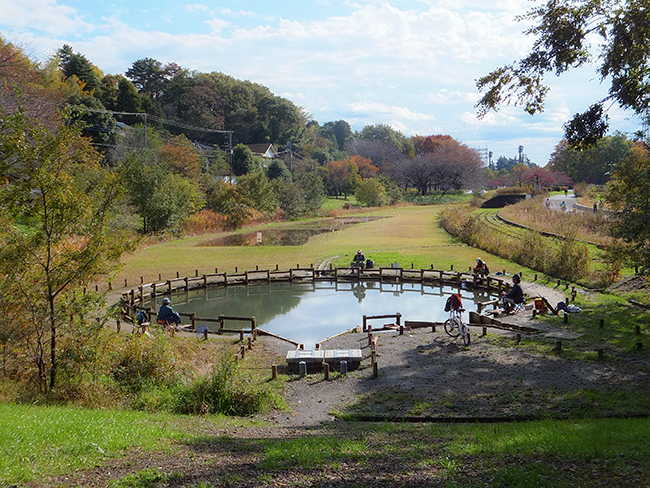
(514, 297)
(167, 313)
(481, 268)
(359, 260)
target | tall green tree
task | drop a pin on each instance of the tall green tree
(163, 199)
(147, 74)
(243, 160)
(592, 165)
(59, 229)
(629, 197)
(76, 64)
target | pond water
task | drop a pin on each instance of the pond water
(311, 312)
(296, 235)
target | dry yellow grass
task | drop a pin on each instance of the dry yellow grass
(531, 213)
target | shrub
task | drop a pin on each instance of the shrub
(205, 221)
(142, 361)
(223, 392)
(564, 258)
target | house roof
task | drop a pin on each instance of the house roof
(265, 150)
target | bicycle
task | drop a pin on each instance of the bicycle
(454, 325)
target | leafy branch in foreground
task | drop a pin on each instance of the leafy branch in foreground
(564, 31)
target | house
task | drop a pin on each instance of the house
(265, 150)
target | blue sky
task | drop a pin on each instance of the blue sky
(411, 64)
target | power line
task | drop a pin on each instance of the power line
(160, 120)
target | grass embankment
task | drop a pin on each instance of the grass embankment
(575, 255)
(38, 442)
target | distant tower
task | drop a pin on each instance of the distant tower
(521, 154)
(490, 163)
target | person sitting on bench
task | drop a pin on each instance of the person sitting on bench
(359, 260)
(167, 314)
(514, 297)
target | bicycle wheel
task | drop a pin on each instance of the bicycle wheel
(465, 333)
(451, 327)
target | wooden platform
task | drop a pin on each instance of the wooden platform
(315, 359)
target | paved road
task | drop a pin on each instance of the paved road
(555, 201)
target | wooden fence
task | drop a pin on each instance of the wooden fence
(133, 300)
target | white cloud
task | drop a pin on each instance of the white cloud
(217, 25)
(46, 16)
(411, 64)
(196, 8)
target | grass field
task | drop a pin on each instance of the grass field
(409, 235)
(37, 442)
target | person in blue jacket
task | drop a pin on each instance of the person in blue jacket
(167, 313)
(514, 297)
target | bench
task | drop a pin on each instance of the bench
(314, 359)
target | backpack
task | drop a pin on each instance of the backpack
(142, 317)
(453, 302)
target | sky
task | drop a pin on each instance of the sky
(410, 64)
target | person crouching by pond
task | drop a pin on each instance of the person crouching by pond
(481, 268)
(514, 297)
(166, 313)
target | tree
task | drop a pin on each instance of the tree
(128, 99)
(592, 165)
(507, 164)
(97, 124)
(243, 160)
(629, 197)
(371, 192)
(28, 86)
(442, 163)
(341, 177)
(147, 75)
(338, 132)
(313, 190)
(563, 31)
(385, 133)
(365, 168)
(382, 154)
(277, 169)
(180, 156)
(69, 232)
(76, 64)
(161, 198)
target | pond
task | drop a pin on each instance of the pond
(309, 313)
(295, 235)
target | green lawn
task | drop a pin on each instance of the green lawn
(409, 235)
(38, 442)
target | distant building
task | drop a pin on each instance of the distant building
(265, 150)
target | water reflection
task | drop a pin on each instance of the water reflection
(311, 312)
